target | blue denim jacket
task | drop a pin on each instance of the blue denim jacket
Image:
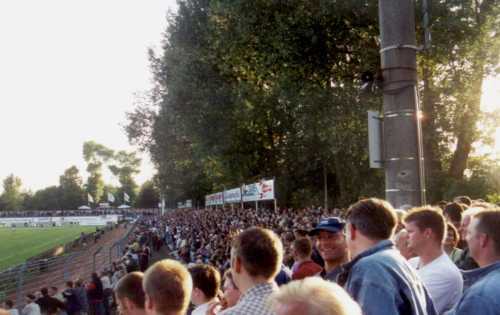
(382, 282)
(482, 295)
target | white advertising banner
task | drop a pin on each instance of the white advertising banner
(263, 190)
(58, 221)
(232, 195)
(214, 199)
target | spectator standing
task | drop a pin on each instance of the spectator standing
(31, 307)
(72, 303)
(481, 295)
(451, 242)
(305, 267)
(378, 277)
(313, 296)
(401, 242)
(167, 287)
(95, 294)
(331, 245)
(426, 230)
(465, 260)
(48, 304)
(206, 285)
(107, 292)
(130, 294)
(256, 257)
(81, 295)
(9, 307)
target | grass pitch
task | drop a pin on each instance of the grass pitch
(19, 244)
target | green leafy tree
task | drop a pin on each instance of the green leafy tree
(246, 90)
(70, 185)
(126, 165)
(12, 196)
(148, 196)
(95, 155)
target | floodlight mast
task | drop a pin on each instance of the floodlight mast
(402, 133)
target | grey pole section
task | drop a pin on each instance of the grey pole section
(403, 154)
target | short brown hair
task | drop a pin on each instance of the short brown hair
(489, 224)
(303, 247)
(130, 287)
(206, 278)
(168, 283)
(260, 252)
(428, 218)
(374, 218)
(454, 211)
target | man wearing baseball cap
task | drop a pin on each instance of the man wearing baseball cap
(331, 245)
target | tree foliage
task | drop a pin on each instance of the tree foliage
(246, 90)
(12, 197)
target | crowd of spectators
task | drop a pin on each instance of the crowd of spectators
(367, 259)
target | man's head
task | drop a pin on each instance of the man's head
(167, 286)
(53, 291)
(453, 213)
(231, 292)
(465, 200)
(256, 254)
(313, 296)
(301, 249)
(426, 228)
(206, 283)
(44, 291)
(467, 216)
(401, 242)
(483, 237)
(369, 221)
(130, 294)
(30, 298)
(9, 304)
(330, 240)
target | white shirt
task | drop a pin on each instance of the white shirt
(31, 309)
(442, 279)
(14, 311)
(106, 283)
(202, 308)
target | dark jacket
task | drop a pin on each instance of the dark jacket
(50, 305)
(72, 302)
(95, 292)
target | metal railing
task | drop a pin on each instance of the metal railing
(77, 263)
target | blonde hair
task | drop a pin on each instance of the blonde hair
(168, 284)
(316, 297)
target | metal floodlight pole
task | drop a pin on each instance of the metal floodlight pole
(402, 134)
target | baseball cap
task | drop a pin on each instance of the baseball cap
(331, 224)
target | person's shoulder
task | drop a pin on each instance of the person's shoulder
(490, 284)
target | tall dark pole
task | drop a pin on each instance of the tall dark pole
(403, 155)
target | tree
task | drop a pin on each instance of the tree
(126, 165)
(95, 155)
(71, 190)
(48, 198)
(12, 197)
(148, 196)
(246, 90)
(464, 51)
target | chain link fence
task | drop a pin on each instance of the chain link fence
(82, 257)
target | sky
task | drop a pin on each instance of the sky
(68, 73)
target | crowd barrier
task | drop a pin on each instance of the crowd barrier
(35, 274)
